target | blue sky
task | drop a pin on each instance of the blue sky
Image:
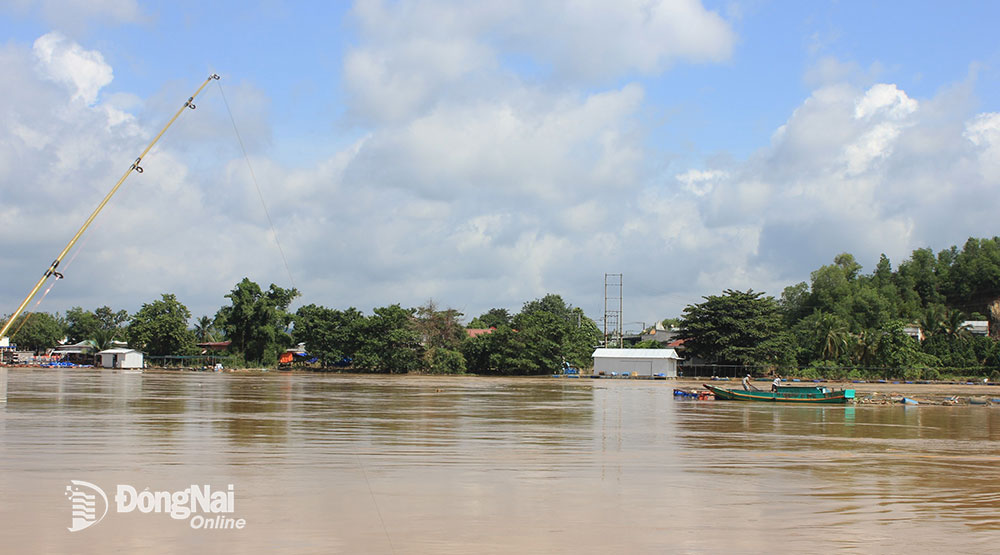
(485, 154)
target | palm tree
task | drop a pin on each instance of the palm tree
(104, 337)
(204, 329)
(932, 320)
(867, 345)
(954, 326)
(833, 336)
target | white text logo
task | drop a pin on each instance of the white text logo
(204, 508)
(85, 504)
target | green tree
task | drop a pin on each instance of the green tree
(105, 338)
(330, 335)
(574, 334)
(103, 325)
(898, 353)
(649, 344)
(493, 353)
(111, 320)
(204, 329)
(495, 318)
(824, 336)
(37, 331)
(931, 320)
(919, 275)
(795, 303)
(954, 326)
(257, 321)
(80, 325)
(972, 278)
(445, 361)
(541, 337)
(737, 327)
(161, 328)
(390, 341)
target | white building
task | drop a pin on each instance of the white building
(637, 362)
(977, 327)
(120, 358)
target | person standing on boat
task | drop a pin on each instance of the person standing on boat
(775, 383)
(747, 386)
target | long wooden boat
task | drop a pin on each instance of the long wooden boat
(809, 395)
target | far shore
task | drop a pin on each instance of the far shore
(935, 392)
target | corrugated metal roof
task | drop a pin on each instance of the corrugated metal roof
(118, 351)
(636, 353)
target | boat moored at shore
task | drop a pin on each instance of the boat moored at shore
(808, 395)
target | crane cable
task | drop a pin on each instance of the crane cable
(51, 271)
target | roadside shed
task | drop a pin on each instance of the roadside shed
(120, 358)
(637, 362)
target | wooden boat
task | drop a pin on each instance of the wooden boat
(809, 395)
(693, 394)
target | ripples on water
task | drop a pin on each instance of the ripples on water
(325, 463)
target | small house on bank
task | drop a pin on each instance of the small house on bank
(120, 358)
(637, 362)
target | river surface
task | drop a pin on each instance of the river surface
(383, 464)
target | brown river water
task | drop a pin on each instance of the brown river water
(384, 464)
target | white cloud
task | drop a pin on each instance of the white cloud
(700, 182)
(603, 39)
(66, 62)
(983, 132)
(419, 54)
(508, 149)
(864, 171)
(885, 99)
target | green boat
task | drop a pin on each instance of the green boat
(805, 395)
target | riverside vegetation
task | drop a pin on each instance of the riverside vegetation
(843, 324)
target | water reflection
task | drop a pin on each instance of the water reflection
(330, 463)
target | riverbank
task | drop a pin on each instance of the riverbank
(890, 393)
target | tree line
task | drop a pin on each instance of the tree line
(843, 323)
(546, 334)
(848, 324)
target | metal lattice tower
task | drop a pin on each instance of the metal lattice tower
(613, 310)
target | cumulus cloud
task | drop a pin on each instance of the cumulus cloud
(983, 132)
(418, 54)
(64, 61)
(860, 170)
(700, 182)
(595, 40)
(884, 99)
